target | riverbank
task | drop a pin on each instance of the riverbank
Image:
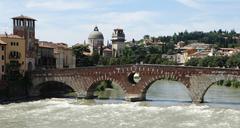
(13, 91)
(229, 83)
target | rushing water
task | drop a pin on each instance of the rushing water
(168, 107)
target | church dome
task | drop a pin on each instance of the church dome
(95, 34)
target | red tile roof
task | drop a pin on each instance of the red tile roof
(1, 42)
(10, 36)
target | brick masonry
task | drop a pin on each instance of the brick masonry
(83, 80)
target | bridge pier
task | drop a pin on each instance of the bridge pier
(135, 97)
(34, 92)
(81, 95)
(89, 95)
(199, 86)
(197, 100)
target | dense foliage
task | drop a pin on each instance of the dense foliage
(84, 60)
(220, 38)
(229, 83)
(216, 61)
(130, 55)
(137, 54)
(13, 71)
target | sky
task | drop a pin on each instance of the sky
(71, 21)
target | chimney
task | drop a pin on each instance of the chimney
(6, 34)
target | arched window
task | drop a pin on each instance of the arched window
(14, 55)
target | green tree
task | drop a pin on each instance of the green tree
(81, 59)
(104, 60)
(146, 37)
(192, 62)
(80, 49)
(94, 59)
(205, 62)
(234, 61)
(155, 49)
(13, 71)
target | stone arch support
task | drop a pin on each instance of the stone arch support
(200, 85)
(91, 85)
(70, 81)
(147, 81)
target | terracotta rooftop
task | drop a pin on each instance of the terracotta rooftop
(23, 17)
(1, 42)
(230, 49)
(55, 46)
(87, 53)
(45, 46)
(10, 36)
(201, 54)
(107, 50)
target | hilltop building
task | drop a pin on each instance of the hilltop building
(95, 41)
(118, 39)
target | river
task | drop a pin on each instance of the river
(168, 106)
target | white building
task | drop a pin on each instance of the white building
(95, 41)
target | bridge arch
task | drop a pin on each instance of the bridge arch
(93, 85)
(196, 79)
(200, 84)
(213, 81)
(183, 81)
(51, 88)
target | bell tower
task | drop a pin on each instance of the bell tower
(118, 39)
(24, 26)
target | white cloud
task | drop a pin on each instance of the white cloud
(126, 18)
(190, 3)
(59, 4)
(72, 20)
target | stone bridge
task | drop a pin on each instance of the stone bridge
(83, 81)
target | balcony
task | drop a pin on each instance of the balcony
(14, 55)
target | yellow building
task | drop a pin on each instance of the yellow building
(15, 50)
(2, 58)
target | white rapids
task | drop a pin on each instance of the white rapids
(169, 107)
(72, 113)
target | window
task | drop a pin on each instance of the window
(2, 57)
(17, 43)
(3, 48)
(11, 43)
(2, 68)
(14, 55)
(3, 77)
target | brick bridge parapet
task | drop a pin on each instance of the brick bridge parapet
(83, 80)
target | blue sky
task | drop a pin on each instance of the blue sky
(71, 21)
